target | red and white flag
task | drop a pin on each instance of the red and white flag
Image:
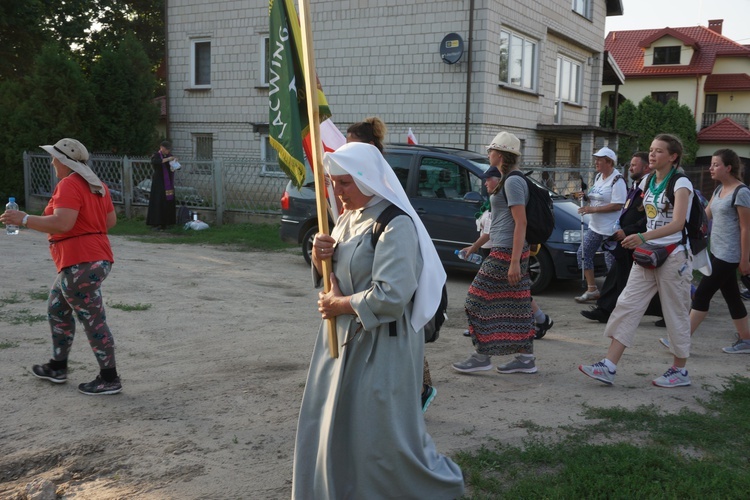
(411, 138)
(332, 139)
(330, 136)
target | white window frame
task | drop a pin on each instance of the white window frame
(528, 68)
(582, 7)
(265, 40)
(194, 64)
(569, 91)
(268, 169)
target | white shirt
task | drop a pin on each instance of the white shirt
(657, 216)
(604, 192)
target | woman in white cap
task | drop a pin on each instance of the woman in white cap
(77, 219)
(606, 198)
(361, 432)
(498, 305)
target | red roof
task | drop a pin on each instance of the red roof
(627, 48)
(725, 130)
(727, 82)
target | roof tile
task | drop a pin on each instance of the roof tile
(625, 49)
(725, 130)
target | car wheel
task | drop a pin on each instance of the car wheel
(307, 242)
(541, 271)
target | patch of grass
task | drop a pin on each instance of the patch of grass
(11, 298)
(23, 316)
(39, 295)
(6, 344)
(646, 454)
(130, 307)
(241, 237)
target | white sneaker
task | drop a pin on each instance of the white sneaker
(598, 371)
(739, 347)
(588, 296)
(672, 378)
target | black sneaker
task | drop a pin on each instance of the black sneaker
(541, 328)
(46, 373)
(660, 323)
(428, 394)
(99, 387)
(596, 314)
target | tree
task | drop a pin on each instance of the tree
(52, 102)
(22, 36)
(124, 84)
(86, 27)
(651, 118)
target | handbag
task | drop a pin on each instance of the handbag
(652, 256)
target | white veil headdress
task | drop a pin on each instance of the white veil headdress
(371, 171)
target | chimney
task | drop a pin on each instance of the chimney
(715, 25)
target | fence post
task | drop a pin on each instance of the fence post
(219, 191)
(26, 179)
(127, 185)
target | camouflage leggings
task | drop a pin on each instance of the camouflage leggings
(78, 288)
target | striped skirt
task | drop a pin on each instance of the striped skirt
(499, 314)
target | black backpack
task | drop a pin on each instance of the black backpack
(736, 192)
(696, 226)
(183, 214)
(540, 216)
(432, 328)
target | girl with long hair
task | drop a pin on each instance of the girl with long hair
(498, 305)
(664, 228)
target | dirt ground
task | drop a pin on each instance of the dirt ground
(213, 375)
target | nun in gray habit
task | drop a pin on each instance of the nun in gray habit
(361, 432)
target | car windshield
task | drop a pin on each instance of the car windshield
(481, 163)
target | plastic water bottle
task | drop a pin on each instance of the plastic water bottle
(616, 227)
(12, 205)
(474, 258)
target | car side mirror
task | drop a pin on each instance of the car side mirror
(473, 196)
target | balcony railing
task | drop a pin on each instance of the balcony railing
(740, 119)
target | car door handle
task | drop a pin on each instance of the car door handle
(420, 210)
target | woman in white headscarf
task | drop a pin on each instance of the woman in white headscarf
(361, 431)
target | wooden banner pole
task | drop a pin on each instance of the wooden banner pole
(313, 114)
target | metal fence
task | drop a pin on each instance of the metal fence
(226, 190)
(217, 188)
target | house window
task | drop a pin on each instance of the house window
(568, 81)
(200, 63)
(269, 158)
(667, 55)
(575, 154)
(265, 63)
(203, 152)
(582, 7)
(517, 60)
(711, 101)
(663, 97)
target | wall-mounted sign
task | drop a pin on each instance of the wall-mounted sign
(451, 48)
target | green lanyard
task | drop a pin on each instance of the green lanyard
(658, 190)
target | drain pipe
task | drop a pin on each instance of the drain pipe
(468, 75)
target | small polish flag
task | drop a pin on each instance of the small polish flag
(411, 138)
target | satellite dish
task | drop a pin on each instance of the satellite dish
(451, 48)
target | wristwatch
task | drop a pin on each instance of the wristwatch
(25, 220)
